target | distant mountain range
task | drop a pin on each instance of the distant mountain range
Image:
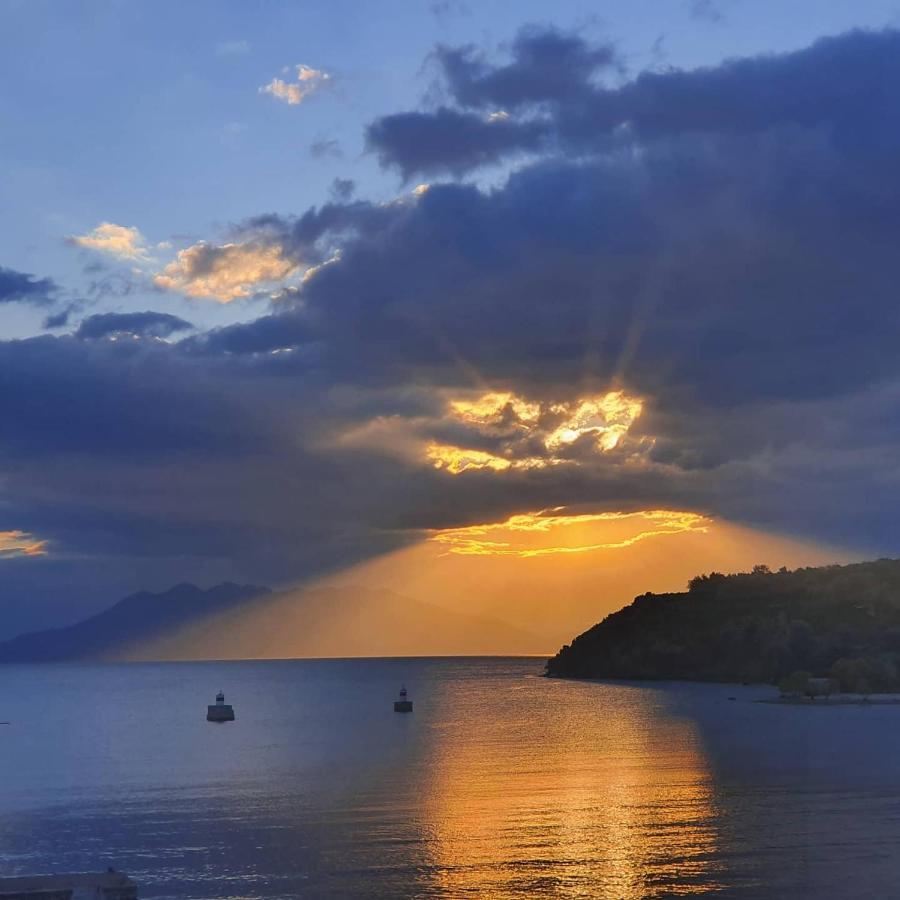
(837, 621)
(232, 621)
(134, 620)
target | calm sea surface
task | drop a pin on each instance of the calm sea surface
(501, 783)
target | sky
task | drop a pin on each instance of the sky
(287, 289)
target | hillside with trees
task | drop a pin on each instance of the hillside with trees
(841, 622)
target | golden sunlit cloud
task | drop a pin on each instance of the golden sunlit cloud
(608, 418)
(553, 531)
(501, 431)
(308, 81)
(119, 240)
(488, 409)
(458, 459)
(525, 423)
(20, 543)
(225, 272)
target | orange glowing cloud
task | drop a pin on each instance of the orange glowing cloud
(226, 272)
(607, 418)
(457, 459)
(523, 424)
(501, 431)
(122, 241)
(553, 531)
(488, 409)
(20, 543)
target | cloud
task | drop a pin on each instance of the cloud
(342, 189)
(706, 11)
(121, 241)
(308, 81)
(442, 9)
(57, 320)
(557, 531)
(449, 140)
(225, 272)
(326, 148)
(20, 287)
(137, 324)
(552, 78)
(20, 543)
(547, 65)
(501, 432)
(682, 298)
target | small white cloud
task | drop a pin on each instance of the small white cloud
(225, 272)
(308, 81)
(501, 115)
(119, 240)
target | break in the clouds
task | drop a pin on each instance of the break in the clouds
(680, 296)
(304, 82)
(121, 241)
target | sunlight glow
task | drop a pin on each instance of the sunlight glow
(488, 409)
(522, 425)
(565, 532)
(457, 459)
(608, 418)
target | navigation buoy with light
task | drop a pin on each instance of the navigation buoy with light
(404, 704)
(220, 711)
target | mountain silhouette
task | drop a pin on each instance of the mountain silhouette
(136, 618)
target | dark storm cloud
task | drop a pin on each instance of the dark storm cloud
(131, 400)
(58, 320)
(548, 65)
(263, 335)
(741, 267)
(448, 140)
(720, 242)
(141, 324)
(837, 84)
(24, 288)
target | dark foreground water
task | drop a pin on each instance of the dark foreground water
(501, 783)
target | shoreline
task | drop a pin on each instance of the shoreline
(838, 700)
(885, 699)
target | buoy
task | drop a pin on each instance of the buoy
(220, 711)
(403, 704)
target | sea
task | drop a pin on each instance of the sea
(500, 783)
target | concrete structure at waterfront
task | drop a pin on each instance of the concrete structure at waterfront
(109, 885)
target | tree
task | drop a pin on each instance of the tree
(796, 684)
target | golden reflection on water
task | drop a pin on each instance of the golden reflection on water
(613, 800)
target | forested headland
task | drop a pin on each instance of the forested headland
(840, 622)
